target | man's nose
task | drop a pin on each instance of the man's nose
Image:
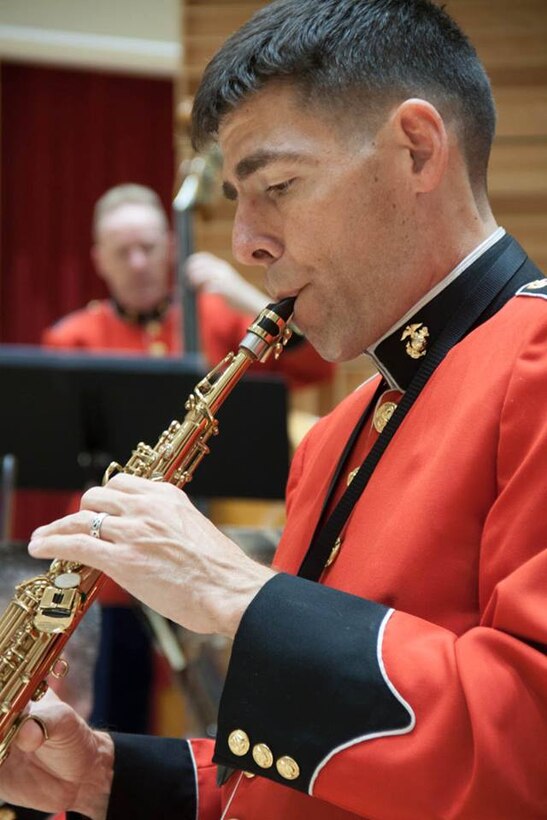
(253, 244)
(138, 258)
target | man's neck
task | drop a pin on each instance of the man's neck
(137, 317)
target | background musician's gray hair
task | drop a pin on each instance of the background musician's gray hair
(128, 193)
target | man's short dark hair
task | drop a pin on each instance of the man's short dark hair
(361, 55)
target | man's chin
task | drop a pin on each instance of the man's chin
(144, 305)
(327, 347)
(333, 352)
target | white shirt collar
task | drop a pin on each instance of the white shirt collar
(440, 286)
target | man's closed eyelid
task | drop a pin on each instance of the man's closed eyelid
(280, 187)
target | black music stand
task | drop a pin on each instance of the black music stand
(65, 416)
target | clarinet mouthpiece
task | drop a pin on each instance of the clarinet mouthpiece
(284, 309)
(268, 330)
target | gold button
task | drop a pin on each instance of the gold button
(153, 328)
(287, 768)
(352, 475)
(383, 415)
(157, 349)
(334, 552)
(262, 756)
(250, 775)
(239, 742)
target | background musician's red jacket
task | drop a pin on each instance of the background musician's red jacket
(99, 328)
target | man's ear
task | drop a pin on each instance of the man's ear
(422, 132)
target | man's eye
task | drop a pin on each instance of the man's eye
(280, 188)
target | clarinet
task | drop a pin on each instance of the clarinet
(46, 610)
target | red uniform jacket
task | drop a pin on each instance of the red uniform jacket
(412, 681)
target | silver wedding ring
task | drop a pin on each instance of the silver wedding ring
(96, 524)
(38, 720)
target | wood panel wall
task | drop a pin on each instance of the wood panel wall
(510, 38)
(205, 26)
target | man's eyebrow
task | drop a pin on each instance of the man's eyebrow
(255, 162)
(249, 165)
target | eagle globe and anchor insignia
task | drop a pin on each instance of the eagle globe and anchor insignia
(417, 336)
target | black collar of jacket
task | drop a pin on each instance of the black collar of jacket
(135, 318)
(399, 356)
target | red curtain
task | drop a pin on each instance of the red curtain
(67, 136)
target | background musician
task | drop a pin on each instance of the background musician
(133, 252)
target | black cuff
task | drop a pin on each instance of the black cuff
(153, 777)
(305, 678)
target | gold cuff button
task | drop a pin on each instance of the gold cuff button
(262, 756)
(287, 768)
(239, 743)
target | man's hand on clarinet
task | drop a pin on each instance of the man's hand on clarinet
(57, 762)
(155, 544)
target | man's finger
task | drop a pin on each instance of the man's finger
(31, 734)
(80, 547)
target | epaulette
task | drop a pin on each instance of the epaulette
(537, 288)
